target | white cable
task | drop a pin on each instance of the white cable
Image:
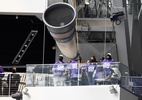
(115, 5)
(44, 31)
(105, 35)
(105, 39)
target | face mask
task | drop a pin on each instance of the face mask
(91, 60)
(60, 58)
(13, 71)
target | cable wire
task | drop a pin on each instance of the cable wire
(115, 5)
(43, 44)
(105, 35)
(44, 32)
(77, 38)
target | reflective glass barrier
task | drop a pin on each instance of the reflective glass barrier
(76, 74)
(72, 74)
(132, 84)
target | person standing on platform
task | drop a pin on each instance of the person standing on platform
(90, 70)
(107, 66)
(73, 72)
(59, 71)
(13, 81)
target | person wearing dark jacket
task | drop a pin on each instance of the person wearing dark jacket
(13, 81)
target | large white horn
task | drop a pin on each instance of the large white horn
(60, 21)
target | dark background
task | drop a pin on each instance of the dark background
(14, 31)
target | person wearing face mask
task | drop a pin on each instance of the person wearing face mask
(59, 72)
(13, 81)
(107, 63)
(93, 59)
(90, 68)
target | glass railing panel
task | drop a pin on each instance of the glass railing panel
(123, 69)
(109, 73)
(132, 83)
(39, 75)
(68, 75)
(47, 75)
(127, 71)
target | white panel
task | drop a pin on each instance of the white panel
(100, 92)
(6, 98)
(22, 7)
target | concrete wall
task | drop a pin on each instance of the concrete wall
(99, 92)
(125, 95)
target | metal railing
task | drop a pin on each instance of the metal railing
(132, 84)
(10, 83)
(43, 75)
(47, 75)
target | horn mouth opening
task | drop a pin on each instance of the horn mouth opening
(59, 17)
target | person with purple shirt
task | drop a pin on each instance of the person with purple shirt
(90, 70)
(84, 79)
(99, 75)
(1, 71)
(73, 72)
(107, 65)
(59, 71)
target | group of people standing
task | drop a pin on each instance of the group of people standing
(9, 85)
(75, 72)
